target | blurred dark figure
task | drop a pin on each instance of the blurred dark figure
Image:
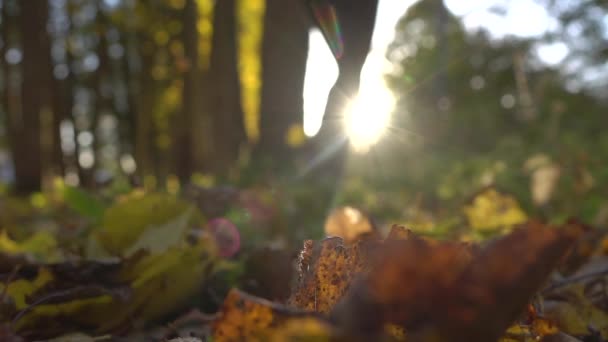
(347, 26)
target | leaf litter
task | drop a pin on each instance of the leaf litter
(144, 261)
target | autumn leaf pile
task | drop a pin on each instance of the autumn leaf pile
(146, 257)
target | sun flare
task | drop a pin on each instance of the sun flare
(367, 118)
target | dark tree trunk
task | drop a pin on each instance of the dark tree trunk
(144, 130)
(224, 89)
(62, 107)
(126, 123)
(11, 92)
(35, 95)
(356, 19)
(103, 96)
(190, 96)
(141, 87)
(284, 52)
(63, 102)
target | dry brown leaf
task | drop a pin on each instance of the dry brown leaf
(502, 278)
(584, 248)
(462, 294)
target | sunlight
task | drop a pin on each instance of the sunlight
(366, 120)
(321, 74)
(368, 115)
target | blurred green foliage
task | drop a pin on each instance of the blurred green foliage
(474, 111)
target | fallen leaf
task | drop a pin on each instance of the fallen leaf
(157, 239)
(491, 210)
(327, 272)
(327, 268)
(245, 317)
(83, 203)
(41, 246)
(464, 294)
(348, 223)
(125, 221)
(574, 313)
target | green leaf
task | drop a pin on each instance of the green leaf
(126, 220)
(83, 203)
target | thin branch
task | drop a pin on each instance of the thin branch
(572, 280)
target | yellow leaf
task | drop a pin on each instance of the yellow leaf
(41, 246)
(247, 318)
(19, 290)
(491, 210)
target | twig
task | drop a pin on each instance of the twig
(194, 315)
(9, 280)
(569, 281)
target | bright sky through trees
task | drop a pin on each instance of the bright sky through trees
(522, 18)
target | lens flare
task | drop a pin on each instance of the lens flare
(327, 19)
(367, 117)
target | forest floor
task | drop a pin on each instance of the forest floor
(228, 264)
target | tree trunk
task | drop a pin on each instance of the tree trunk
(141, 88)
(126, 123)
(11, 92)
(101, 83)
(356, 20)
(224, 89)
(284, 53)
(190, 97)
(35, 97)
(62, 107)
(144, 132)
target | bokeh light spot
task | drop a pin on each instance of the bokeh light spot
(226, 236)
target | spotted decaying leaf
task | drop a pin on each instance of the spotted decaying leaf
(327, 269)
(451, 290)
(327, 277)
(244, 317)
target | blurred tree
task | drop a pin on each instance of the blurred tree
(25, 127)
(499, 107)
(191, 95)
(284, 53)
(10, 72)
(583, 29)
(223, 90)
(355, 22)
(64, 159)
